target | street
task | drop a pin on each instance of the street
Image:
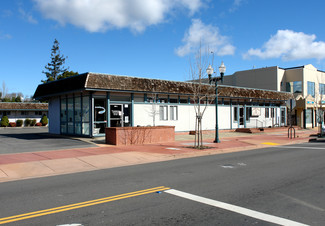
(280, 183)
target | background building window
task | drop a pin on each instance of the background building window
(248, 113)
(235, 114)
(267, 112)
(311, 88)
(321, 88)
(272, 112)
(163, 112)
(294, 87)
(173, 112)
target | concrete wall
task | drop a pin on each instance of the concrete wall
(186, 117)
(54, 115)
(261, 78)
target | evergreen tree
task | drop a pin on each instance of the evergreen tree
(55, 68)
(67, 74)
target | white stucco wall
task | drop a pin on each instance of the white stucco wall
(186, 117)
(54, 116)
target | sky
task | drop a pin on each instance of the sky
(156, 38)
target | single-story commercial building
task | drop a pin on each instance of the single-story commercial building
(83, 105)
(21, 110)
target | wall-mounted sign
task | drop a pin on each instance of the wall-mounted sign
(256, 112)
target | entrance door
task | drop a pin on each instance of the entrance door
(283, 117)
(120, 115)
(116, 115)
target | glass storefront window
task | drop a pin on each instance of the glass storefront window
(77, 109)
(85, 115)
(309, 115)
(63, 115)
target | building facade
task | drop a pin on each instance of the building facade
(85, 104)
(21, 111)
(306, 83)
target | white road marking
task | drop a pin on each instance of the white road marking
(236, 209)
(173, 148)
(242, 164)
(70, 225)
(299, 147)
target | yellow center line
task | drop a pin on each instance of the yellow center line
(270, 143)
(80, 205)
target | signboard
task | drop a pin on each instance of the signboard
(256, 112)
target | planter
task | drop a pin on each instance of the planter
(139, 135)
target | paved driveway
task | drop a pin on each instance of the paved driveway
(18, 140)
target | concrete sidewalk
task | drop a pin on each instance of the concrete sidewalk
(48, 163)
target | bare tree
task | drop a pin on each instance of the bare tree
(202, 93)
(319, 100)
(4, 90)
(153, 98)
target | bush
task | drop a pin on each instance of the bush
(19, 123)
(12, 124)
(44, 120)
(38, 124)
(4, 121)
(27, 122)
(33, 122)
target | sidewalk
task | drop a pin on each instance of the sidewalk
(49, 163)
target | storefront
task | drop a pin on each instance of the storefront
(84, 105)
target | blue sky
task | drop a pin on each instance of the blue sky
(156, 38)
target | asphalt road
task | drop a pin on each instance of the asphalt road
(280, 182)
(18, 140)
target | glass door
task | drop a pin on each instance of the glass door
(120, 115)
(116, 115)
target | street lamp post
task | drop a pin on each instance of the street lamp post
(222, 69)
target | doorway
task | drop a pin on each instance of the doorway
(120, 115)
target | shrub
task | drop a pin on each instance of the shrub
(27, 122)
(38, 124)
(12, 124)
(4, 121)
(33, 122)
(19, 123)
(44, 120)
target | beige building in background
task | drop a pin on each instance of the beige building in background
(305, 82)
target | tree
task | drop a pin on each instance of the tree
(18, 99)
(4, 91)
(202, 93)
(55, 68)
(67, 74)
(4, 121)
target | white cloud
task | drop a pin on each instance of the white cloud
(290, 45)
(207, 36)
(5, 36)
(101, 15)
(235, 5)
(27, 16)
